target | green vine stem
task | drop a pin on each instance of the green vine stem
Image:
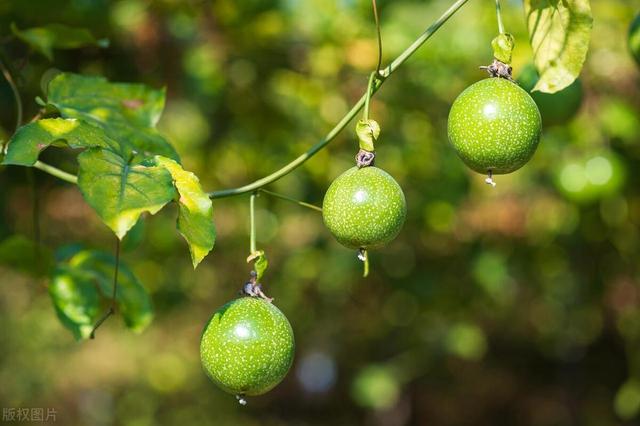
(499, 16)
(291, 200)
(502, 45)
(368, 94)
(297, 162)
(54, 171)
(397, 62)
(252, 219)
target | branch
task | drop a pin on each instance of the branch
(54, 171)
(393, 66)
(16, 94)
(350, 115)
(112, 307)
(291, 200)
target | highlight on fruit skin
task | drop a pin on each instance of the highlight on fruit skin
(494, 126)
(247, 347)
(364, 208)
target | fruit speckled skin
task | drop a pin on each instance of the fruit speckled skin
(494, 125)
(247, 346)
(364, 208)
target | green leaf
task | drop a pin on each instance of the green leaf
(368, 132)
(30, 140)
(559, 31)
(81, 285)
(503, 45)
(45, 39)
(120, 191)
(128, 113)
(76, 300)
(195, 219)
(132, 299)
(22, 253)
(260, 262)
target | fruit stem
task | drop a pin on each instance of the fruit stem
(252, 219)
(365, 158)
(112, 308)
(499, 69)
(499, 16)
(291, 200)
(363, 255)
(489, 180)
(367, 99)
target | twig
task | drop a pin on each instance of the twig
(292, 200)
(112, 308)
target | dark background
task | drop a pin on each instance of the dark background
(514, 305)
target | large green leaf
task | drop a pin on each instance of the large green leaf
(27, 143)
(127, 112)
(56, 36)
(195, 218)
(76, 299)
(81, 286)
(132, 299)
(559, 31)
(120, 191)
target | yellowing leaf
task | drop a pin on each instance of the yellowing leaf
(27, 143)
(195, 219)
(559, 31)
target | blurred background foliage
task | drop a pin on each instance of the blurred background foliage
(518, 304)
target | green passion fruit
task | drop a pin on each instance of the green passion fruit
(364, 208)
(247, 347)
(494, 126)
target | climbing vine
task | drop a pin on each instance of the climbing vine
(126, 168)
